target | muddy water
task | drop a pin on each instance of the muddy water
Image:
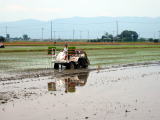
(130, 93)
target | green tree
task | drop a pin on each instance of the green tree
(25, 37)
(2, 39)
(107, 37)
(127, 35)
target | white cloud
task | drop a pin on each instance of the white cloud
(48, 10)
(15, 8)
(22, 8)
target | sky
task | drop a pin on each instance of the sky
(13, 10)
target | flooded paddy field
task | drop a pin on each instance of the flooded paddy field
(119, 84)
(116, 93)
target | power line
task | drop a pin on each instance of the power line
(54, 33)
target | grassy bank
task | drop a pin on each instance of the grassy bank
(33, 43)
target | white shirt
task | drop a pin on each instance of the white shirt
(65, 50)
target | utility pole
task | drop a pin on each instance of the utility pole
(113, 36)
(132, 37)
(42, 29)
(73, 33)
(7, 36)
(6, 30)
(80, 34)
(117, 27)
(159, 34)
(51, 30)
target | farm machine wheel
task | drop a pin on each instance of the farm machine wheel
(83, 62)
(56, 66)
(70, 65)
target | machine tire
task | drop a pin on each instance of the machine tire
(77, 66)
(83, 62)
(70, 65)
(2, 46)
(56, 66)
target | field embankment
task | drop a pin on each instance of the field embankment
(77, 43)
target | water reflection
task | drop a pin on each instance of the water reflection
(68, 83)
(51, 86)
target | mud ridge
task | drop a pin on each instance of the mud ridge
(51, 72)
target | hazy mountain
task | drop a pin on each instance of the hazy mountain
(82, 27)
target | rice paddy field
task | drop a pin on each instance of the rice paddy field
(18, 58)
(121, 83)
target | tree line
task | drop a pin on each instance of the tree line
(24, 37)
(125, 36)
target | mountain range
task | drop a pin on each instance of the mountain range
(81, 27)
